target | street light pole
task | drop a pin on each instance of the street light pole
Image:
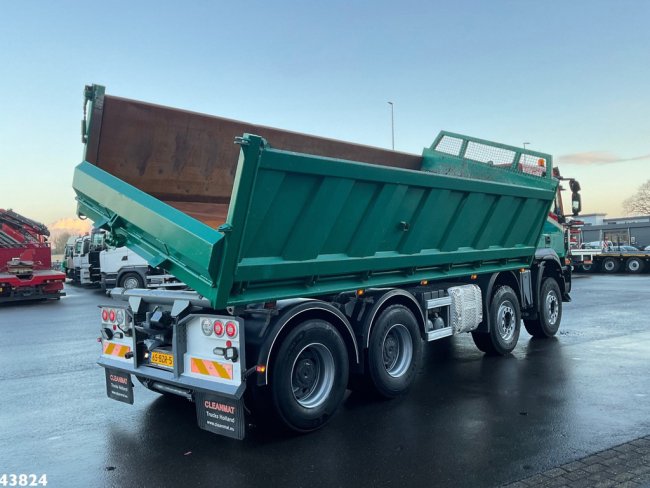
(392, 124)
(523, 156)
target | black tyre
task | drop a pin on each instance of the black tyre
(505, 324)
(549, 314)
(309, 376)
(611, 265)
(394, 352)
(634, 265)
(588, 268)
(483, 341)
(131, 280)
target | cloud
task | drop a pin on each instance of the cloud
(70, 225)
(597, 157)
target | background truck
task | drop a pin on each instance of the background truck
(119, 266)
(26, 260)
(613, 259)
(83, 266)
(91, 260)
(317, 264)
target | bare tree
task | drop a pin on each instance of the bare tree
(639, 203)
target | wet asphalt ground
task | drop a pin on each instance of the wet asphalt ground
(470, 420)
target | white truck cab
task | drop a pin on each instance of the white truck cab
(121, 267)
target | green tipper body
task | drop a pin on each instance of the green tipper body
(302, 224)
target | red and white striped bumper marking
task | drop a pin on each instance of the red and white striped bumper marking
(112, 349)
(211, 368)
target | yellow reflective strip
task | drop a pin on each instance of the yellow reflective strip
(200, 366)
(109, 349)
(123, 351)
(223, 372)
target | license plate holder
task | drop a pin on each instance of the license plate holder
(162, 359)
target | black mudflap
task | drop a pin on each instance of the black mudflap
(220, 415)
(119, 386)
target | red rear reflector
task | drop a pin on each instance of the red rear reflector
(218, 328)
(231, 329)
(111, 315)
(104, 315)
(228, 344)
(260, 368)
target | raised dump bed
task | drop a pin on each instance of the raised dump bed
(281, 214)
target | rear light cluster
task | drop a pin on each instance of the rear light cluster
(219, 328)
(113, 316)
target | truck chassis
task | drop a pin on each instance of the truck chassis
(295, 358)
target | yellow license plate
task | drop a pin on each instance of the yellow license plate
(162, 359)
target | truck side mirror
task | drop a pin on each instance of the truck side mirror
(576, 203)
(574, 185)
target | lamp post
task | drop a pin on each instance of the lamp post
(523, 156)
(392, 124)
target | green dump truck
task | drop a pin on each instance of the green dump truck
(317, 265)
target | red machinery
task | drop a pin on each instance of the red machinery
(26, 260)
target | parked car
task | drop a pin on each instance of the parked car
(592, 245)
(621, 249)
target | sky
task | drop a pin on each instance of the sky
(570, 78)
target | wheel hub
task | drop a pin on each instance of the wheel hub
(391, 351)
(312, 375)
(552, 308)
(397, 350)
(505, 321)
(305, 373)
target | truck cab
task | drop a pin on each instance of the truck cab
(559, 226)
(121, 267)
(85, 257)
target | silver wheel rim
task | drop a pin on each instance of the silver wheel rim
(506, 320)
(397, 350)
(131, 283)
(609, 265)
(634, 265)
(312, 375)
(552, 309)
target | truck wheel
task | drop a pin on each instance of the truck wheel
(131, 280)
(587, 268)
(634, 265)
(611, 265)
(550, 311)
(394, 351)
(505, 322)
(309, 376)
